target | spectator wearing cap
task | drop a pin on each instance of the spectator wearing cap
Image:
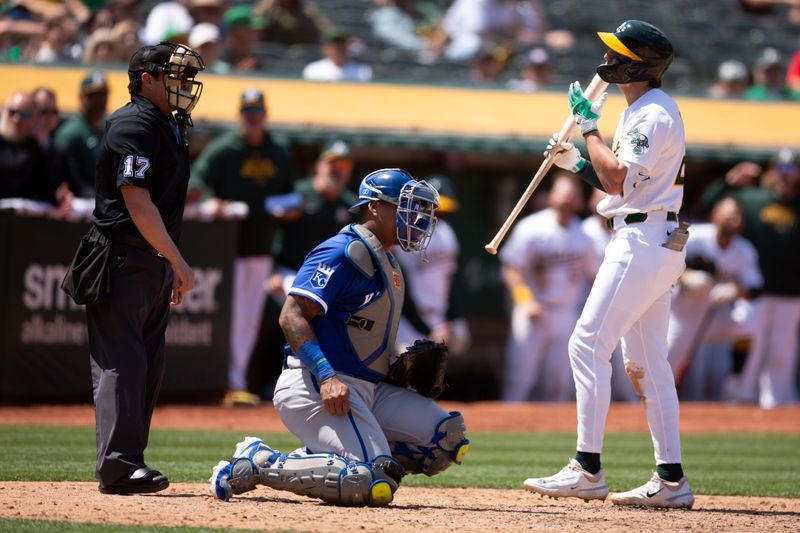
(23, 167)
(769, 78)
(536, 73)
(290, 21)
(205, 40)
(336, 64)
(732, 80)
(81, 135)
(325, 200)
(242, 31)
(246, 165)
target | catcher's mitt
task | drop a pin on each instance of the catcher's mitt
(421, 367)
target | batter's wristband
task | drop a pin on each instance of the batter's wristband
(314, 360)
(588, 174)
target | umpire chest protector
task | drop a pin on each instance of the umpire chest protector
(371, 329)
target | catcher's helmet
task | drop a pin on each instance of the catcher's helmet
(644, 53)
(416, 203)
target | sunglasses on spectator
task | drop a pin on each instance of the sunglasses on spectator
(23, 115)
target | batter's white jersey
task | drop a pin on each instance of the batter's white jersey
(554, 260)
(737, 262)
(650, 140)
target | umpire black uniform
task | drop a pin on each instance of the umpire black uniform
(127, 269)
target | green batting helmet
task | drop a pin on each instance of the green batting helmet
(645, 52)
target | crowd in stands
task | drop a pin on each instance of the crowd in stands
(492, 43)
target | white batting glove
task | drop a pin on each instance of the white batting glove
(723, 293)
(565, 156)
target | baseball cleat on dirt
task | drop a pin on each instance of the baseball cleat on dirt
(572, 481)
(658, 493)
(219, 487)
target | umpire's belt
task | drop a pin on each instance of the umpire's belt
(135, 242)
(637, 218)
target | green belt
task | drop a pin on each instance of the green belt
(635, 218)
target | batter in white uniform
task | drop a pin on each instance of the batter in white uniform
(546, 262)
(630, 299)
(710, 305)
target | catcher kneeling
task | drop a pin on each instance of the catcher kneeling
(363, 424)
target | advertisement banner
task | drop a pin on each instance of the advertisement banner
(44, 353)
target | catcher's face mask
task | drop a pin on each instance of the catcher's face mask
(183, 92)
(416, 219)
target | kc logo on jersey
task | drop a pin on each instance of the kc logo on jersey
(639, 142)
(321, 276)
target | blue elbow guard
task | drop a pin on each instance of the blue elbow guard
(312, 357)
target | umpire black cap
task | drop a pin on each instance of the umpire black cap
(150, 59)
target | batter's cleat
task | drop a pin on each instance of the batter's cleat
(219, 487)
(571, 482)
(658, 493)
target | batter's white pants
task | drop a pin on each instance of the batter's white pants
(247, 307)
(630, 300)
(537, 354)
(772, 359)
(380, 414)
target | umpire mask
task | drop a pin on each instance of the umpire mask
(183, 91)
(416, 219)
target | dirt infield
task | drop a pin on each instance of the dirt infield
(414, 509)
(432, 510)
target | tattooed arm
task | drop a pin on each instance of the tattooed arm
(295, 321)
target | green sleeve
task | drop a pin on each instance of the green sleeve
(206, 170)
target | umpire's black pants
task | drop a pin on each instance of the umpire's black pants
(126, 340)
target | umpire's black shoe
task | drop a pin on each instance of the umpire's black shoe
(141, 481)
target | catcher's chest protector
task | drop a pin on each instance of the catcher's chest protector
(373, 326)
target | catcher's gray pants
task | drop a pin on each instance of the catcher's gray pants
(126, 341)
(380, 414)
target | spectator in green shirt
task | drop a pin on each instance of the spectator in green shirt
(247, 165)
(80, 137)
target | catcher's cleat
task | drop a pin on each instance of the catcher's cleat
(572, 481)
(219, 487)
(658, 493)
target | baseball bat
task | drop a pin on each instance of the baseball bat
(595, 89)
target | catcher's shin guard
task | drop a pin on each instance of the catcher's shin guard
(331, 479)
(448, 445)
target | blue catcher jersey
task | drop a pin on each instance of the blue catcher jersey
(330, 279)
